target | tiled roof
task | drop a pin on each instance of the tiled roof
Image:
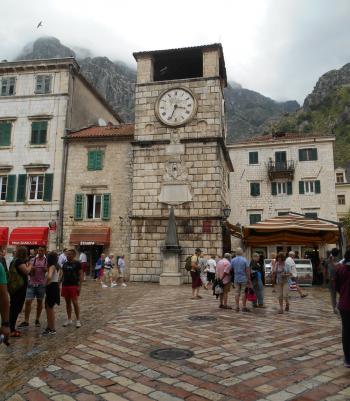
(107, 131)
(288, 136)
(179, 49)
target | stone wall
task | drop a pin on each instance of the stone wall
(115, 178)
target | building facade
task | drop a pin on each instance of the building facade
(39, 101)
(98, 191)
(180, 156)
(276, 174)
(342, 190)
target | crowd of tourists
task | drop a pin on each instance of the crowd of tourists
(247, 279)
(46, 277)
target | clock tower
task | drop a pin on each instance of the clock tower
(180, 158)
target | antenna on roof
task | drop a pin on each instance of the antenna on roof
(101, 122)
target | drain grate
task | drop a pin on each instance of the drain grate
(171, 354)
(202, 318)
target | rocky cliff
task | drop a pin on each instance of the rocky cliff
(326, 110)
(247, 111)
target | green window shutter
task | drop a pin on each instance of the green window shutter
(317, 187)
(314, 154)
(301, 187)
(257, 189)
(11, 188)
(79, 207)
(21, 188)
(98, 159)
(43, 132)
(253, 158)
(39, 132)
(106, 207)
(91, 160)
(48, 184)
(301, 155)
(5, 133)
(289, 188)
(274, 188)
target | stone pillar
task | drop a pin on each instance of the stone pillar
(171, 255)
(211, 63)
(145, 69)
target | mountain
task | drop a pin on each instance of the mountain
(326, 110)
(114, 80)
(247, 111)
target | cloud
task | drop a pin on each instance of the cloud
(276, 47)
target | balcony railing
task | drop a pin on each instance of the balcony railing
(281, 169)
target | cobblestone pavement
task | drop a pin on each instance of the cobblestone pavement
(255, 356)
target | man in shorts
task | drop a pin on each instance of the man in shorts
(121, 270)
(241, 271)
(36, 287)
(223, 273)
(72, 278)
(108, 272)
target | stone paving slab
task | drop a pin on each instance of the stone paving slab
(256, 356)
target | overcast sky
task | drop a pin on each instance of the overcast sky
(276, 47)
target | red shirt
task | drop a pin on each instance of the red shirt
(342, 285)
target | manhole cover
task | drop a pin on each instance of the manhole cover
(202, 318)
(171, 354)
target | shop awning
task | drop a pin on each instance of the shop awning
(90, 235)
(290, 229)
(4, 235)
(29, 236)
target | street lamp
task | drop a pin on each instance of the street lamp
(226, 212)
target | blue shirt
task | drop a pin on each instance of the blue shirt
(239, 265)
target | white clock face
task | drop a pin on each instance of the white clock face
(175, 107)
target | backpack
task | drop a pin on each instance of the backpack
(15, 281)
(188, 263)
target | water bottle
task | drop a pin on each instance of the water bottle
(4, 340)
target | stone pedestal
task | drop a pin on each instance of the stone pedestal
(171, 267)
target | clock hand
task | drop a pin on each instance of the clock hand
(175, 106)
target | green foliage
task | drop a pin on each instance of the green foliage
(346, 225)
(331, 116)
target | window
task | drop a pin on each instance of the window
(254, 189)
(39, 133)
(311, 215)
(8, 86)
(95, 159)
(339, 178)
(36, 187)
(282, 213)
(3, 187)
(307, 154)
(309, 187)
(341, 199)
(93, 207)
(282, 188)
(43, 84)
(97, 206)
(5, 133)
(253, 157)
(254, 218)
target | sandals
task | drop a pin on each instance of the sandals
(245, 310)
(280, 312)
(16, 333)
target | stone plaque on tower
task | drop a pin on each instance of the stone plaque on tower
(180, 159)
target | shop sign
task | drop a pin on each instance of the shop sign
(24, 243)
(87, 242)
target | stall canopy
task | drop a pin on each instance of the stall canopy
(90, 236)
(4, 234)
(29, 236)
(291, 229)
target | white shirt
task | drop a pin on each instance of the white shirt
(212, 265)
(82, 258)
(62, 259)
(292, 266)
(121, 263)
(108, 262)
